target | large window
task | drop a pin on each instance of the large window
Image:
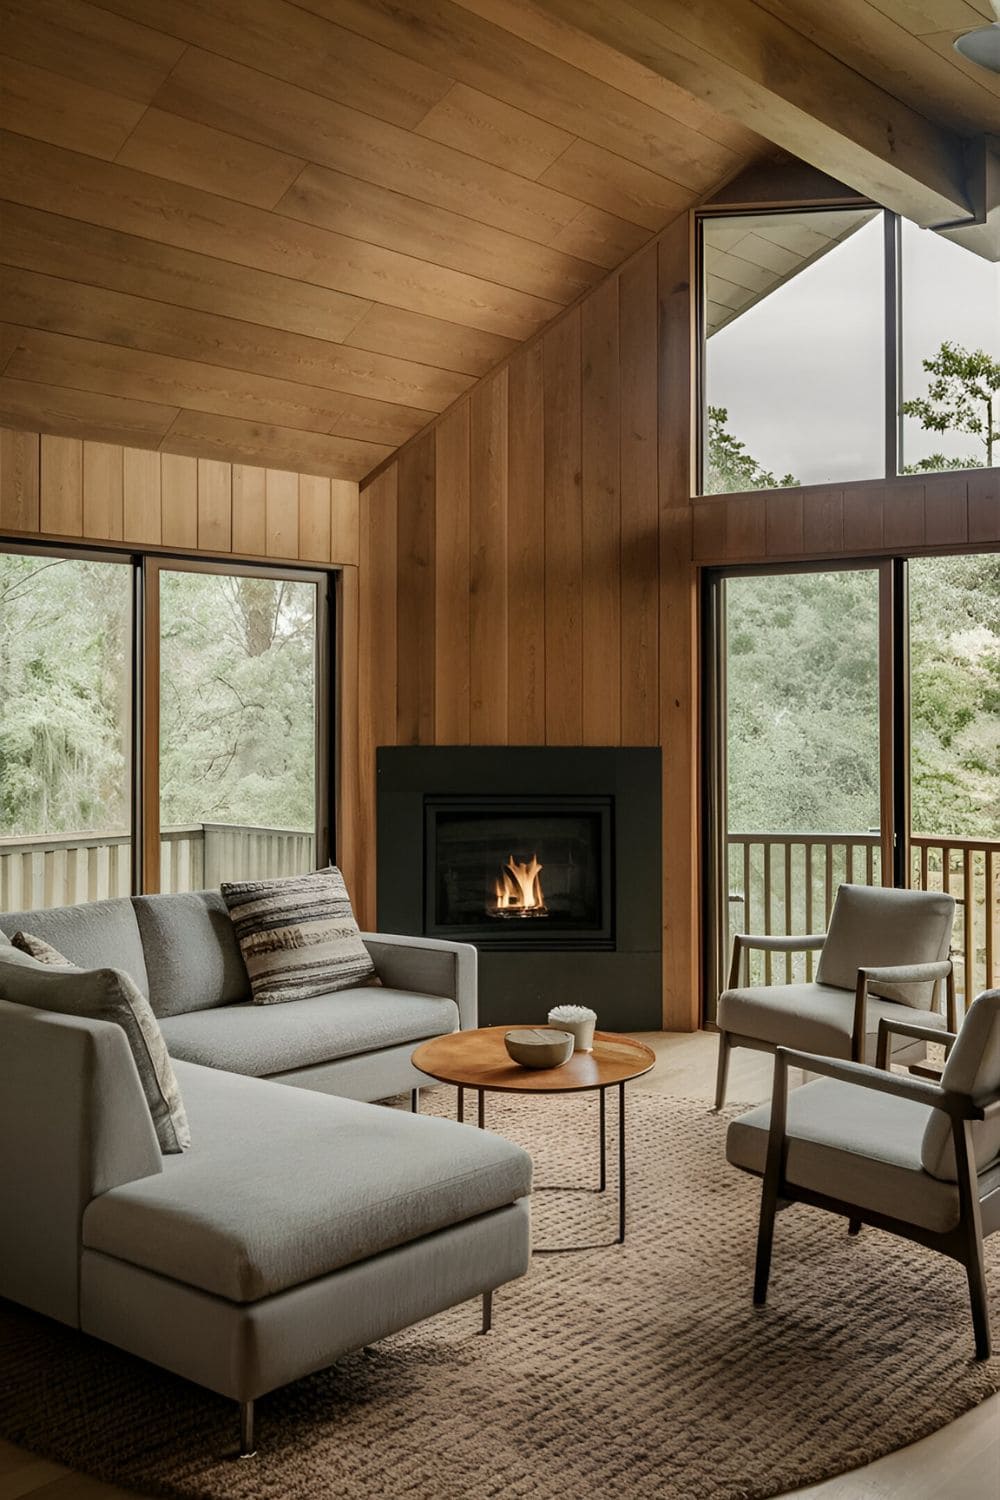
(950, 355)
(794, 348)
(238, 689)
(65, 729)
(218, 694)
(843, 344)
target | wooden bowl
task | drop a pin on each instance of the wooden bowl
(539, 1047)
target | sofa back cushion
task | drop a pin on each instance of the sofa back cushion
(973, 1067)
(873, 926)
(192, 956)
(94, 935)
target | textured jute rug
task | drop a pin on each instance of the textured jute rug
(639, 1370)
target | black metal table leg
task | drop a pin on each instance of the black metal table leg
(461, 1105)
(621, 1163)
(604, 1146)
(482, 1109)
(415, 1101)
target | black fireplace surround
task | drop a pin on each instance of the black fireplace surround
(547, 859)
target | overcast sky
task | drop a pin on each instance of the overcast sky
(801, 372)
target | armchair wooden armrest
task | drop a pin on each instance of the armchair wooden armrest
(897, 974)
(958, 1106)
(888, 1027)
(770, 942)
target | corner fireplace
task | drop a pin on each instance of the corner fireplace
(547, 859)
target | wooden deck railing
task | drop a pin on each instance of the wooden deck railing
(783, 882)
(44, 871)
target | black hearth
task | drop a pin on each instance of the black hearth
(547, 859)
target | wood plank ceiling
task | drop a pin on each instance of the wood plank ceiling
(291, 233)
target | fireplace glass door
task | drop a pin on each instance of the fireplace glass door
(509, 872)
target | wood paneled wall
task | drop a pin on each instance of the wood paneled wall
(526, 571)
(529, 564)
(73, 489)
(911, 514)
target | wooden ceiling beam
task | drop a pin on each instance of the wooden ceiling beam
(754, 68)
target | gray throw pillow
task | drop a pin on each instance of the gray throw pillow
(106, 995)
(37, 947)
(298, 936)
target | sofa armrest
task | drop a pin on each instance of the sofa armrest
(74, 1123)
(429, 966)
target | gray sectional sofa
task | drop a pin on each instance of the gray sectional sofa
(302, 1222)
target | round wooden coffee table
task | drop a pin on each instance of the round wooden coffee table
(478, 1060)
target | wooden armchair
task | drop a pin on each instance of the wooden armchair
(918, 1159)
(883, 957)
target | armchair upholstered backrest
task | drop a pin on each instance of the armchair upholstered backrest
(972, 1068)
(874, 926)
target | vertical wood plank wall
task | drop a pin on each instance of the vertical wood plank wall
(529, 564)
(513, 559)
(71, 489)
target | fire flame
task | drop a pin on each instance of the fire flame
(519, 887)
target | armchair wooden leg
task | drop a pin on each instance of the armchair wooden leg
(774, 1172)
(976, 1273)
(765, 1242)
(722, 1074)
(972, 1232)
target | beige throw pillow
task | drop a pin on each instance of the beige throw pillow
(106, 995)
(298, 936)
(37, 947)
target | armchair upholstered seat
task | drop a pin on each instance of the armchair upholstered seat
(917, 1159)
(882, 959)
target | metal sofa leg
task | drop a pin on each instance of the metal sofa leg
(487, 1312)
(247, 1449)
(415, 1101)
(722, 1075)
(854, 1226)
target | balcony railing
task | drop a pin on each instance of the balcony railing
(785, 882)
(60, 870)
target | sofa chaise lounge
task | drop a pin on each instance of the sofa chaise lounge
(300, 1224)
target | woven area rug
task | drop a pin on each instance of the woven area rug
(639, 1370)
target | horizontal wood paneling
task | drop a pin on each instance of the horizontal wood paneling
(909, 514)
(56, 487)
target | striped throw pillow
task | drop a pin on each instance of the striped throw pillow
(298, 936)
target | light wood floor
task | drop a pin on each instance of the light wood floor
(961, 1462)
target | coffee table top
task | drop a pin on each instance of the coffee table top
(478, 1060)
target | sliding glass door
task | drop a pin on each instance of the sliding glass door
(164, 724)
(851, 719)
(800, 792)
(954, 752)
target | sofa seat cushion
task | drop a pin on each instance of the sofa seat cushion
(265, 1040)
(283, 1185)
(812, 1017)
(856, 1145)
